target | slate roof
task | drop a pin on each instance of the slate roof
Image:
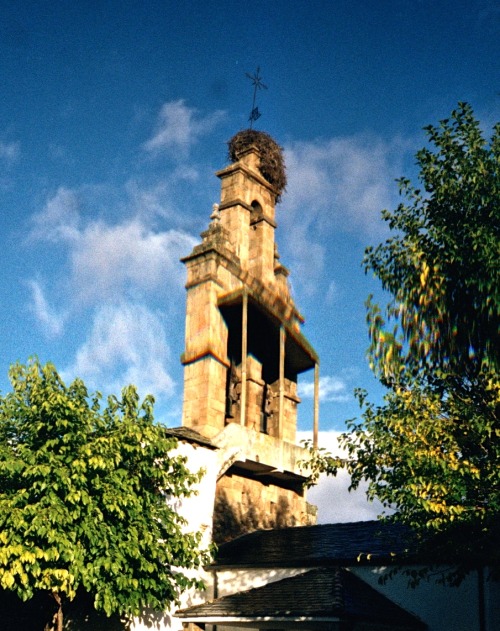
(333, 594)
(190, 435)
(314, 546)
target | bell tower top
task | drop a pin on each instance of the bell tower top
(271, 164)
(244, 347)
(250, 188)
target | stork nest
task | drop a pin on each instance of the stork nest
(272, 165)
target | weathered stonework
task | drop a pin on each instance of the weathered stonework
(243, 505)
(243, 352)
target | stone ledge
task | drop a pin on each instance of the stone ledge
(260, 453)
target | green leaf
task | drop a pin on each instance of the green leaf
(431, 451)
(82, 496)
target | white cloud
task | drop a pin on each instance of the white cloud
(59, 220)
(10, 151)
(330, 389)
(343, 182)
(107, 276)
(332, 496)
(308, 255)
(127, 345)
(179, 127)
(340, 184)
(331, 293)
(159, 199)
(111, 260)
(115, 259)
(51, 321)
(337, 504)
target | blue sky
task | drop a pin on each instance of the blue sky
(114, 117)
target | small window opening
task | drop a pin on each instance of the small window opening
(257, 211)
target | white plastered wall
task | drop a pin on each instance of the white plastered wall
(442, 607)
(198, 511)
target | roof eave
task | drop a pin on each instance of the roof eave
(256, 620)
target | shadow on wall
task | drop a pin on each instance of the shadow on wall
(232, 521)
(37, 614)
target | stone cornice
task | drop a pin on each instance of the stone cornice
(250, 173)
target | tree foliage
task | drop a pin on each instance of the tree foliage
(442, 264)
(431, 451)
(83, 497)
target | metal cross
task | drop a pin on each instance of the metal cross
(257, 85)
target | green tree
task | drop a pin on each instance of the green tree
(83, 498)
(431, 451)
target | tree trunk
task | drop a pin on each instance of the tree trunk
(57, 619)
(59, 614)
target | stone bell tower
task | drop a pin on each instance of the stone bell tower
(244, 347)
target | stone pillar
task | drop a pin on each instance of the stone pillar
(255, 394)
(261, 244)
(290, 402)
(281, 409)
(244, 354)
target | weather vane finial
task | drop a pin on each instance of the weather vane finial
(257, 85)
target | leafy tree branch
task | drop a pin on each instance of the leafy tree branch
(84, 497)
(431, 451)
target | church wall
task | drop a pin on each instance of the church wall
(259, 485)
(261, 255)
(204, 401)
(243, 505)
(198, 512)
(440, 606)
(205, 327)
(236, 220)
(233, 581)
(205, 356)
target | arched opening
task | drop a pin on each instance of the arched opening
(256, 213)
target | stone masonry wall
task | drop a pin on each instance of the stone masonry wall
(243, 505)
